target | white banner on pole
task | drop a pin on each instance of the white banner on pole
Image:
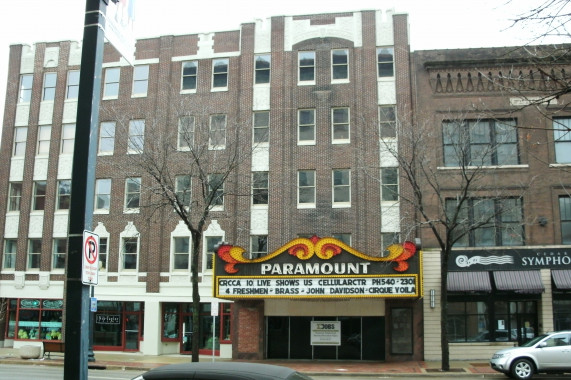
(119, 20)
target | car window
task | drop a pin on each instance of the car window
(557, 340)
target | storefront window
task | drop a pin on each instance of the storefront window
(562, 314)
(170, 321)
(35, 319)
(401, 324)
(225, 312)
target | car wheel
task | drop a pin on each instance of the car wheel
(522, 369)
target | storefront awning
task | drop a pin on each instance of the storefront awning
(528, 281)
(469, 282)
(562, 279)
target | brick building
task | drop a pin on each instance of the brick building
(510, 278)
(309, 92)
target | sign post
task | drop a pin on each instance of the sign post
(214, 313)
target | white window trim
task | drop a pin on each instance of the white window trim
(225, 88)
(344, 80)
(178, 140)
(213, 230)
(105, 84)
(398, 186)
(306, 82)
(188, 91)
(130, 231)
(130, 149)
(341, 141)
(102, 210)
(255, 71)
(345, 204)
(131, 210)
(307, 142)
(308, 204)
(140, 95)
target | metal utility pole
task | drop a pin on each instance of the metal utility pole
(77, 318)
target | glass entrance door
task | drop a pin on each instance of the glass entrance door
(132, 332)
(186, 343)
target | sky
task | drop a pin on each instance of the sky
(436, 24)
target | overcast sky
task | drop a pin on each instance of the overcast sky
(436, 24)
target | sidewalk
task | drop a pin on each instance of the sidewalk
(140, 362)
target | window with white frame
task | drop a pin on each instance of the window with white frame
(9, 255)
(306, 188)
(340, 125)
(185, 132)
(565, 217)
(102, 194)
(39, 198)
(389, 184)
(181, 252)
(49, 90)
(129, 252)
(306, 67)
(59, 252)
(25, 93)
(136, 140)
(44, 137)
(340, 65)
(132, 193)
(260, 188)
(34, 253)
(385, 61)
(261, 127)
(67, 138)
(387, 121)
(220, 73)
(216, 190)
(343, 237)
(217, 138)
(15, 196)
(258, 246)
(211, 243)
(111, 84)
(562, 140)
(106, 137)
(262, 68)
(306, 126)
(189, 75)
(72, 89)
(341, 181)
(20, 138)
(64, 194)
(183, 190)
(103, 252)
(140, 80)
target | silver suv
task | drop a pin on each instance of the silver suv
(550, 353)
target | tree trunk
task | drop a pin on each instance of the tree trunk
(196, 238)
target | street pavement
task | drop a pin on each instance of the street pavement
(140, 362)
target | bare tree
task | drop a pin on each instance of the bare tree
(191, 159)
(455, 202)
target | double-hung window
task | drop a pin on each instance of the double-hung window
(480, 142)
(25, 93)
(9, 256)
(306, 66)
(49, 90)
(59, 253)
(306, 189)
(136, 140)
(340, 125)
(261, 127)
(44, 136)
(262, 68)
(485, 222)
(220, 74)
(340, 65)
(260, 188)
(15, 196)
(385, 61)
(39, 200)
(181, 252)
(389, 184)
(140, 80)
(387, 121)
(34, 253)
(72, 90)
(132, 193)
(216, 190)
(562, 140)
(103, 249)
(67, 138)
(183, 190)
(565, 215)
(129, 253)
(189, 75)
(103, 195)
(341, 187)
(185, 132)
(107, 137)
(258, 246)
(64, 194)
(211, 243)
(20, 138)
(217, 131)
(306, 126)
(111, 85)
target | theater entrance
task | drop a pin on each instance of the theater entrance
(360, 338)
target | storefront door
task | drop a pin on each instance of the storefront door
(118, 326)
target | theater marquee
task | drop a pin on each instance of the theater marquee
(318, 268)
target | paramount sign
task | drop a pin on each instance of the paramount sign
(317, 268)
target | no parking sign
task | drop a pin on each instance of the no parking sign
(90, 262)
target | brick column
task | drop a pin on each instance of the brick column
(248, 330)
